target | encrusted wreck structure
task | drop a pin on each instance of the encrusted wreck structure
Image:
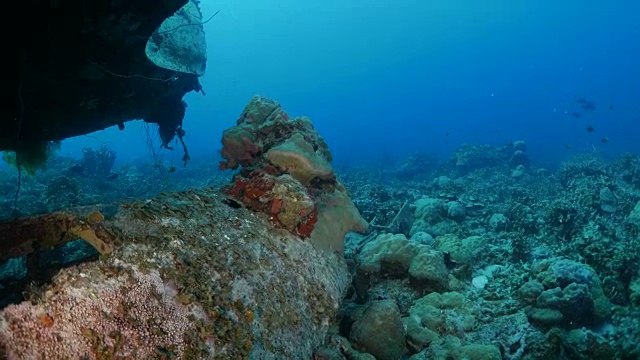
(252, 271)
(84, 66)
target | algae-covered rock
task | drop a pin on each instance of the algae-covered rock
(423, 238)
(498, 222)
(290, 202)
(393, 254)
(530, 291)
(347, 349)
(380, 331)
(519, 172)
(584, 344)
(574, 289)
(388, 252)
(456, 211)
(239, 146)
(478, 352)
(574, 301)
(545, 317)
(328, 353)
(188, 276)
(448, 313)
(428, 270)
(418, 337)
(463, 252)
(519, 159)
(428, 212)
(257, 111)
(453, 348)
(634, 215)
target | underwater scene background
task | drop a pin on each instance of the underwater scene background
(357, 180)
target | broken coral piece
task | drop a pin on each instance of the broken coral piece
(286, 173)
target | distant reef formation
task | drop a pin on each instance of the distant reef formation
(76, 67)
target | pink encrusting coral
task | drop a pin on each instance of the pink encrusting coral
(132, 315)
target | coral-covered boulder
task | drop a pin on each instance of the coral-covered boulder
(238, 147)
(286, 173)
(393, 256)
(297, 157)
(188, 277)
(380, 331)
(574, 289)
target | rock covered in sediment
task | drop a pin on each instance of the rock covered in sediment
(189, 277)
(380, 331)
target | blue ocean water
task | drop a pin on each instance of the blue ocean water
(383, 79)
(520, 246)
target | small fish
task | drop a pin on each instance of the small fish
(172, 169)
(610, 107)
(586, 105)
(568, 146)
(447, 133)
(605, 140)
(590, 129)
(113, 176)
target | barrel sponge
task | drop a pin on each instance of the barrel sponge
(298, 158)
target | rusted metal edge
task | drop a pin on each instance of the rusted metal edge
(27, 235)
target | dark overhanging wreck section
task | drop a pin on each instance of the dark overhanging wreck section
(80, 66)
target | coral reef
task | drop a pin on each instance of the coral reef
(193, 274)
(519, 262)
(286, 173)
(494, 258)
